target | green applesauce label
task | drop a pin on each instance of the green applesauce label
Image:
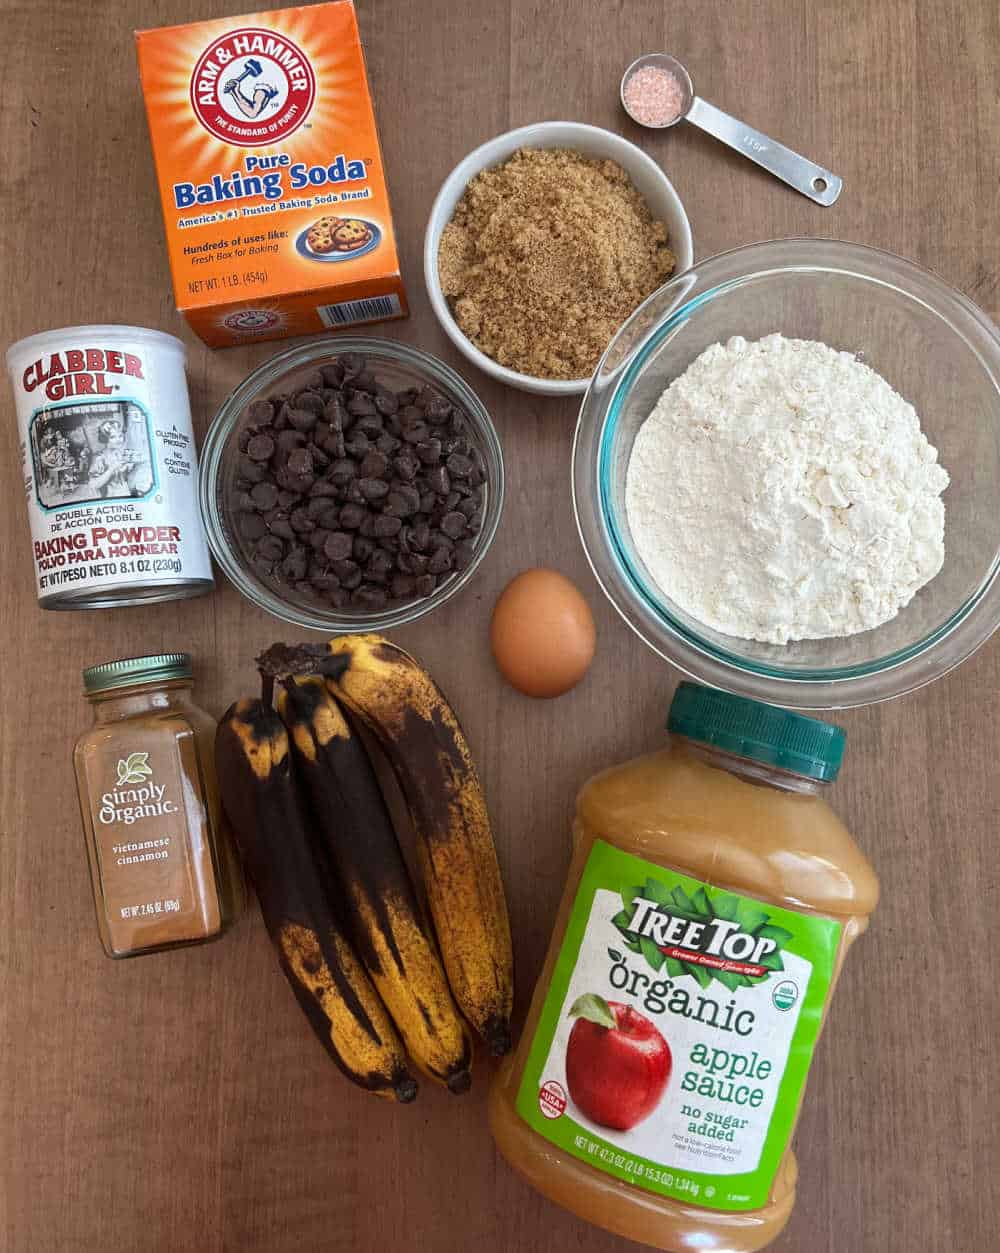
(676, 1036)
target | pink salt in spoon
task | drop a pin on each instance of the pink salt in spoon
(657, 92)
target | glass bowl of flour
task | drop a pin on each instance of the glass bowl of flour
(786, 472)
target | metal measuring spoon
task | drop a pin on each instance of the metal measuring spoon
(805, 176)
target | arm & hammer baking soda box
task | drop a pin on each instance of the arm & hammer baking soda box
(271, 177)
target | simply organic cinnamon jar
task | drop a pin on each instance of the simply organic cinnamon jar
(163, 870)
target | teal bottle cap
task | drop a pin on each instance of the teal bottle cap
(765, 733)
(129, 671)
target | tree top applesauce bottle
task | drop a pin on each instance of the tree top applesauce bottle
(711, 899)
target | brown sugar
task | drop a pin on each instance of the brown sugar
(546, 256)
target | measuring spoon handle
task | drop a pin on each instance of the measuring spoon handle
(805, 176)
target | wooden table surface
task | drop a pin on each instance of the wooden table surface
(179, 1103)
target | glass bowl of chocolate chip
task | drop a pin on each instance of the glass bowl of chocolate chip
(351, 484)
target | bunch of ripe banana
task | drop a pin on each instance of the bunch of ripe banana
(375, 979)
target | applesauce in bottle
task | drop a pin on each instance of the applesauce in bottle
(711, 899)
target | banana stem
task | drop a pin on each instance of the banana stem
(267, 690)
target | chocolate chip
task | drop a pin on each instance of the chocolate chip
(437, 409)
(260, 448)
(335, 413)
(313, 381)
(351, 517)
(303, 419)
(352, 363)
(420, 537)
(244, 502)
(323, 488)
(361, 404)
(406, 466)
(365, 379)
(338, 546)
(374, 465)
(300, 461)
(271, 547)
(425, 584)
(416, 434)
(310, 400)
(440, 561)
(252, 471)
(380, 565)
(459, 465)
(260, 412)
(295, 565)
(385, 401)
(264, 496)
(438, 481)
(429, 451)
(387, 444)
(370, 427)
(333, 374)
(300, 521)
(282, 527)
(288, 441)
(402, 586)
(297, 484)
(318, 505)
(358, 445)
(453, 525)
(387, 525)
(252, 526)
(373, 489)
(463, 554)
(369, 597)
(400, 505)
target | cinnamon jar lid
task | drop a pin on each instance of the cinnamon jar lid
(128, 671)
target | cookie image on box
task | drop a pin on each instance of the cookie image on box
(333, 238)
(320, 236)
(351, 234)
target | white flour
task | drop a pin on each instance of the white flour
(782, 490)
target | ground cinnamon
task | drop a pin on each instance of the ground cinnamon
(162, 870)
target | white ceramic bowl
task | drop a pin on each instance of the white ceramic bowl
(657, 190)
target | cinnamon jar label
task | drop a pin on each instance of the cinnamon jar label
(144, 802)
(678, 1028)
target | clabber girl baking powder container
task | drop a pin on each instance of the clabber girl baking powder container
(110, 469)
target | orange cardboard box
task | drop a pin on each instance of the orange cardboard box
(271, 178)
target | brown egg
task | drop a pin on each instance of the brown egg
(542, 633)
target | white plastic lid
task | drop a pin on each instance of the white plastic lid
(77, 336)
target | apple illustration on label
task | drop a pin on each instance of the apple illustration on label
(617, 1063)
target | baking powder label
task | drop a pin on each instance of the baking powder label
(110, 468)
